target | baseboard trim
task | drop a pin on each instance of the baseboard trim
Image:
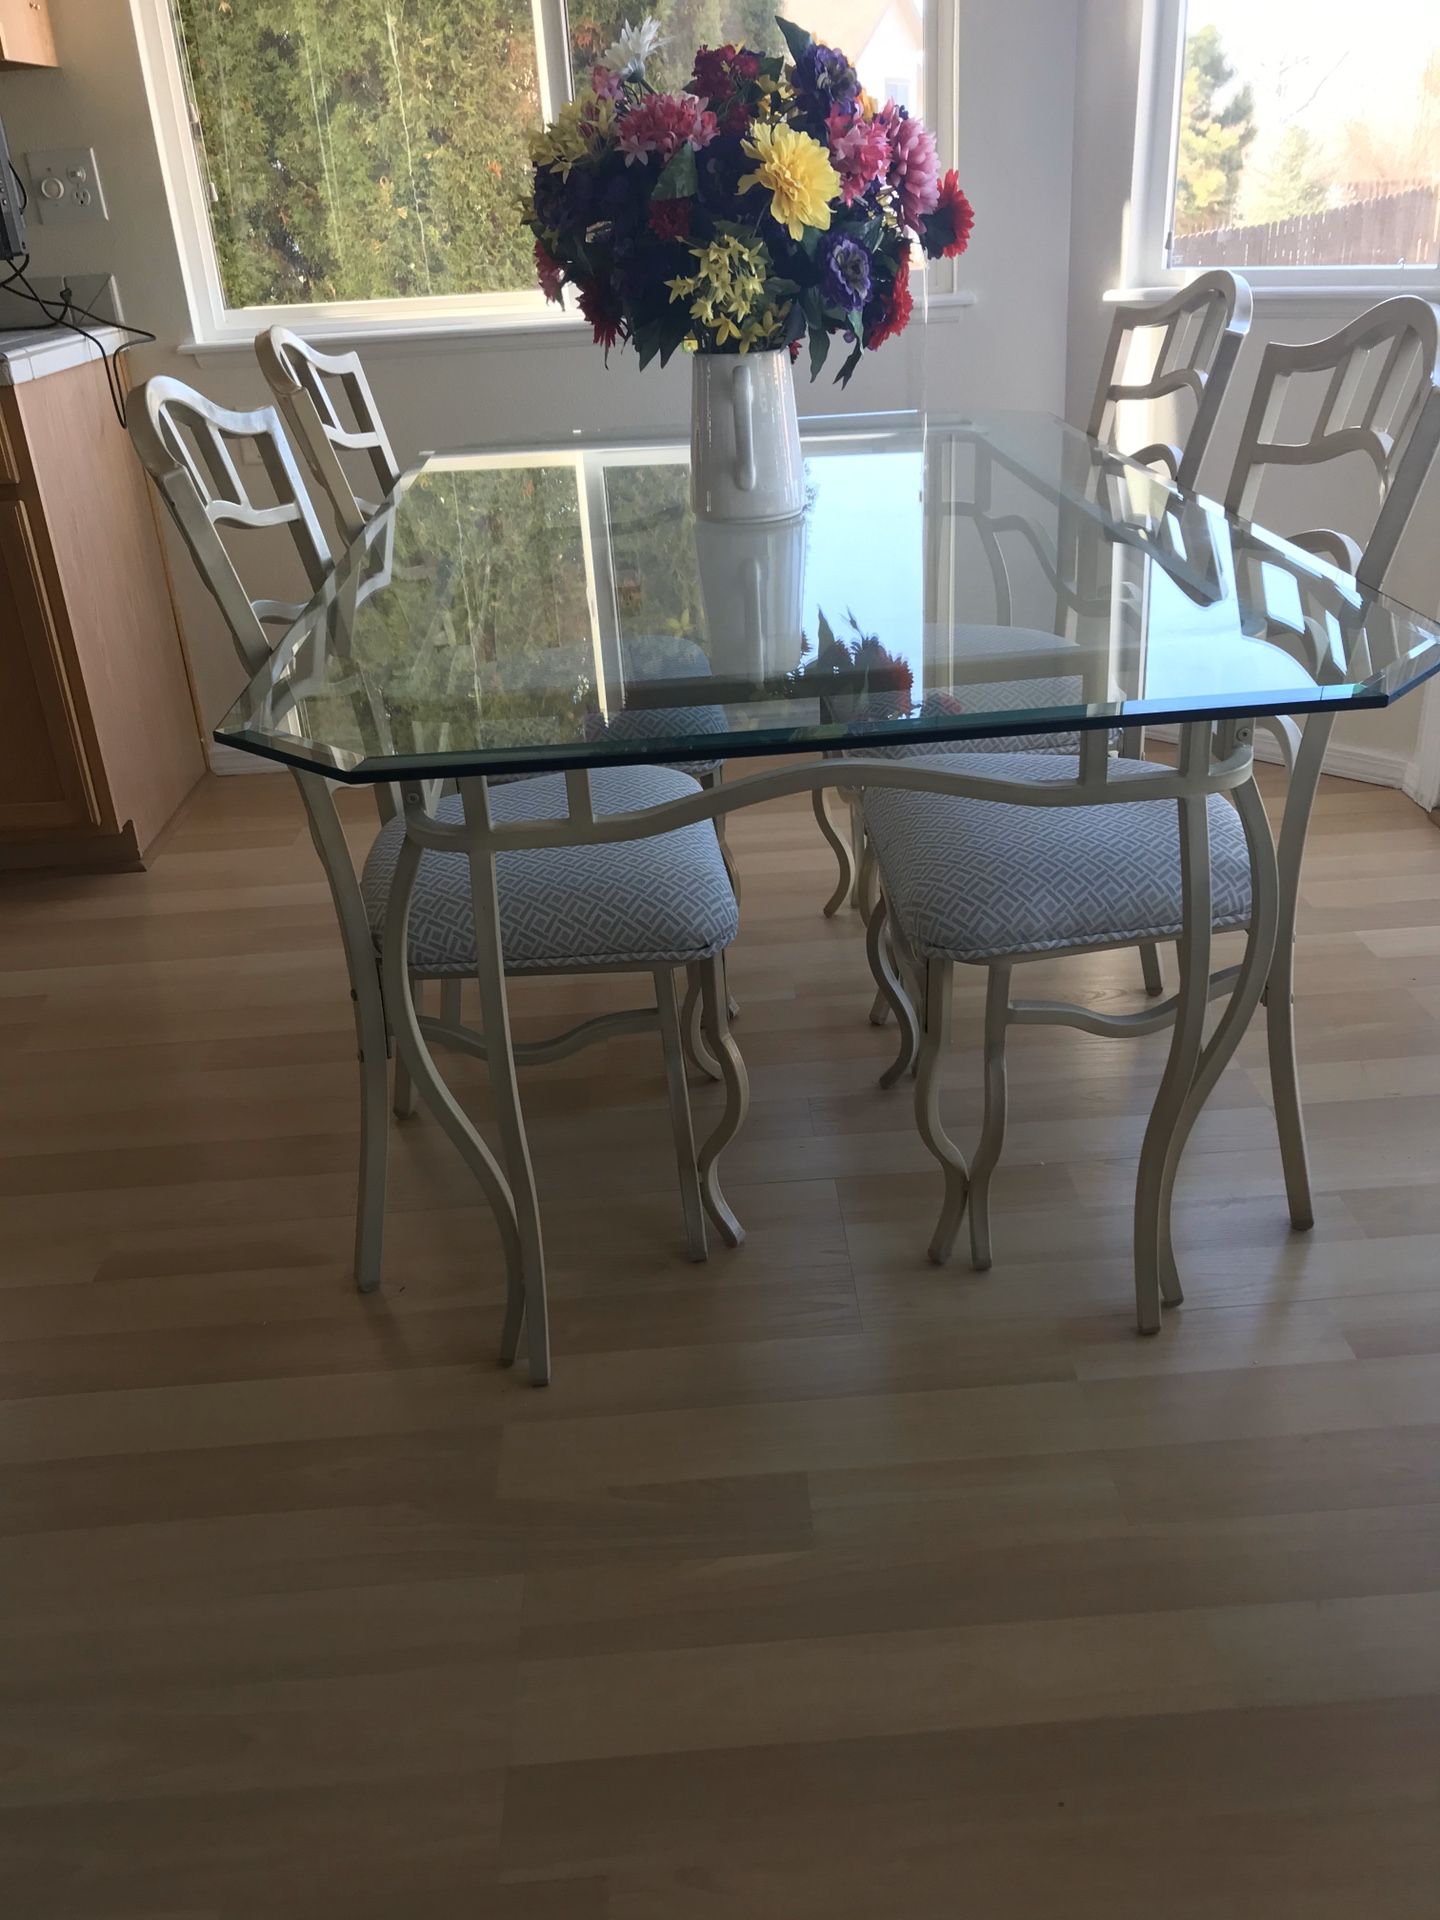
(229, 760)
(1375, 766)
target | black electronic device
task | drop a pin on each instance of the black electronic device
(12, 217)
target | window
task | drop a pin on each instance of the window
(1305, 141)
(354, 162)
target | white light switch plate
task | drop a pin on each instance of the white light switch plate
(65, 186)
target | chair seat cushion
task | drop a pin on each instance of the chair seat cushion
(978, 880)
(663, 901)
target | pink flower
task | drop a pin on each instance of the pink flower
(663, 123)
(914, 170)
(606, 84)
(859, 151)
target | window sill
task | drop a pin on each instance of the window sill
(511, 330)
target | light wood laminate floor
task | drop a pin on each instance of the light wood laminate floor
(821, 1585)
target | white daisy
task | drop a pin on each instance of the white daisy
(632, 49)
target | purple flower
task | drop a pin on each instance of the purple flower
(845, 275)
(826, 75)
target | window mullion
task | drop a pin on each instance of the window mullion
(552, 48)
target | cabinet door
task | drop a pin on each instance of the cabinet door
(44, 784)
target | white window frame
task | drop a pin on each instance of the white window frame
(216, 325)
(1157, 130)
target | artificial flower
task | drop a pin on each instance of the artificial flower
(824, 75)
(859, 152)
(663, 123)
(600, 305)
(914, 170)
(845, 272)
(670, 219)
(606, 83)
(796, 172)
(946, 232)
(893, 315)
(549, 272)
(580, 131)
(631, 48)
(724, 76)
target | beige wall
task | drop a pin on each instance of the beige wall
(1016, 97)
(1342, 496)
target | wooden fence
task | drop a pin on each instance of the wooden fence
(1392, 229)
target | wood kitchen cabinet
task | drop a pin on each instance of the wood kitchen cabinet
(25, 36)
(99, 740)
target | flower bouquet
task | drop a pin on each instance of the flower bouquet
(771, 204)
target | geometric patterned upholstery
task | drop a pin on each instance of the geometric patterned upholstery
(979, 880)
(663, 901)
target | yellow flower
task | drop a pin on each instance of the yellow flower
(578, 132)
(796, 171)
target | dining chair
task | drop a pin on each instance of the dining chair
(976, 882)
(314, 390)
(1194, 339)
(309, 387)
(1379, 398)
(654, 907)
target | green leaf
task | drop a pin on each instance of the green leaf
(819, 350)
(796, 38)
(856, 324)
(810, 241)
(679, 179)
(842, 379)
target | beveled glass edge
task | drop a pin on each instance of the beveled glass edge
(759, 743)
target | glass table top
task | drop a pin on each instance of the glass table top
(949, 579)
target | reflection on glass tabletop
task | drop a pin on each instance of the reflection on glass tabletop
(949, 579)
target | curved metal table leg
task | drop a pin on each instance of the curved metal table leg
(992, 1132)
(933, 1046)
(840, 847)
(692, 1027)
(737, 1100)
(1186, 1040)
(438, 1097)
(504, 1083)
(1236, 1018)
(372, 1032)
(891, 994)
(1280, 993)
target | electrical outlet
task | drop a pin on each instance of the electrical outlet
(65, 186)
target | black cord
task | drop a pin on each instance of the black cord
(24, 190)
(65, 317)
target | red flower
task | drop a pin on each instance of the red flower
(721, 76)
(600, 304)
(670, 219)
(947, 231)
(549, 271)
(898, 308)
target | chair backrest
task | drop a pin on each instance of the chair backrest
(1381, 399)
(185, 442)
(1200, 331)
(302, 380)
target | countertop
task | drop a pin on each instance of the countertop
(29, 353)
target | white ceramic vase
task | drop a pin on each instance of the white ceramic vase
(752, 580)
(745, 460)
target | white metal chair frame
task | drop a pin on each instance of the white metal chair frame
(1203, 328)
(204, 490)
(1204, 324)
(298, 374)
(1396, 425)
(1403, 450)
